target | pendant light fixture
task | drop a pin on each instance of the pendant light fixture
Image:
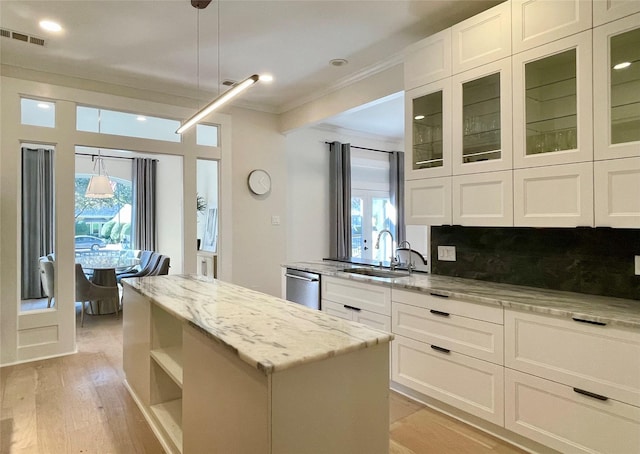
(99, 185)
(221, 98)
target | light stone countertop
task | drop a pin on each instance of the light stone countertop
(603, 309)
(266, 332)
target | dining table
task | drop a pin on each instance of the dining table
(103, 266)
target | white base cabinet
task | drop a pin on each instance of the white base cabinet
(565, 419)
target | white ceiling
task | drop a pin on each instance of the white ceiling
(169, 46)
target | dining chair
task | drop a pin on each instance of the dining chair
(151, 264)
(162, 268)
(47, 278)
(88, 291)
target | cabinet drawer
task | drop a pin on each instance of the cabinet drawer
(601, 359)
(370, 297)
(471, 337)
(470, 384)
(493, 314)
(371, 319)
(335, 309)
(559, 417)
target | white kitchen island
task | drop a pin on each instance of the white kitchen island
(215, 367)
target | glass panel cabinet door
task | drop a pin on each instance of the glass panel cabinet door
(552, 113)
(481, 109)
(428, 130)
(551, 103)
(617, 80)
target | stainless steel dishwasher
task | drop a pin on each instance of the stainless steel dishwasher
(303, 288)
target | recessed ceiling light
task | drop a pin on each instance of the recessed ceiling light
(622, 65)
(141, 118)
(338, 62)
(50, 26)
(266, 78)
(419, 117)
(44, 105)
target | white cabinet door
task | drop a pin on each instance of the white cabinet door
(428, 60)
(428, 130)
(483, 199)
(470, 384)
(428, 201)
(464, 335)
(482, 119)
(554, 196)
(567, 419)
(617, 193)
(372, 320)
(610, 10)
(481, 39)
(357, 295)
(601, 359)
(552, 103)
(617, 101)
(537, 22)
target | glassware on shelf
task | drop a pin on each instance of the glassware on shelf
(625, 87)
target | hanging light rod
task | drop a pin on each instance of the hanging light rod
(220, 100)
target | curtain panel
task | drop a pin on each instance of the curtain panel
(144, 224)
(340, 200)
(38, 217)
(396, 192)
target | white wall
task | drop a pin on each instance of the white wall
(258, 246)
(308, 182)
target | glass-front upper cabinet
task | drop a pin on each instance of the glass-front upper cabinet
(617, 83)
(428, 130)
(552, 99)
(482, 119)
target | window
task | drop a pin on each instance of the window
(37, 112)
(103, 121)
(371, 209)
(207, 135)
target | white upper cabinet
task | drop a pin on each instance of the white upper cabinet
(481, 119)
(616, 80)
(428, 201)
(554, 196)
(481, 39)
(483, 199)
(609, 10)
(428, 60)
(428, 130)
(538, 22)
(617, 193)
(552, 103)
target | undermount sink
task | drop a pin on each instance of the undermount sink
(376, 272)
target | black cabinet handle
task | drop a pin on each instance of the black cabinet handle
(590, 394)
(441, 349)
(352, 308)
(435, 312)
(591, 322)
(438, 295)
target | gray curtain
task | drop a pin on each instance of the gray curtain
(396, 190)
(145, 231)
(38, 220)
(340, 200)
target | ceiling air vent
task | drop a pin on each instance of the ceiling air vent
(21, 37)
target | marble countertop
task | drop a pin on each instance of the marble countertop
(266, 332)
(603, 309)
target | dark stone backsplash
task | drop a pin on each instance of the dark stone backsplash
(598, 261)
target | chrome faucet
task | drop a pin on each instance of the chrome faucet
(393, 262)
(410, 265)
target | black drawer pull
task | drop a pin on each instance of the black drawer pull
(352, 308)
(591, 322)
(590, 394)
(435, 312)
(441, 349)
(438, 295)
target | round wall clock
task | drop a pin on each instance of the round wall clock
(259, 182)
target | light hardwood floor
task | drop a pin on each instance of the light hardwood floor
(78, 404)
